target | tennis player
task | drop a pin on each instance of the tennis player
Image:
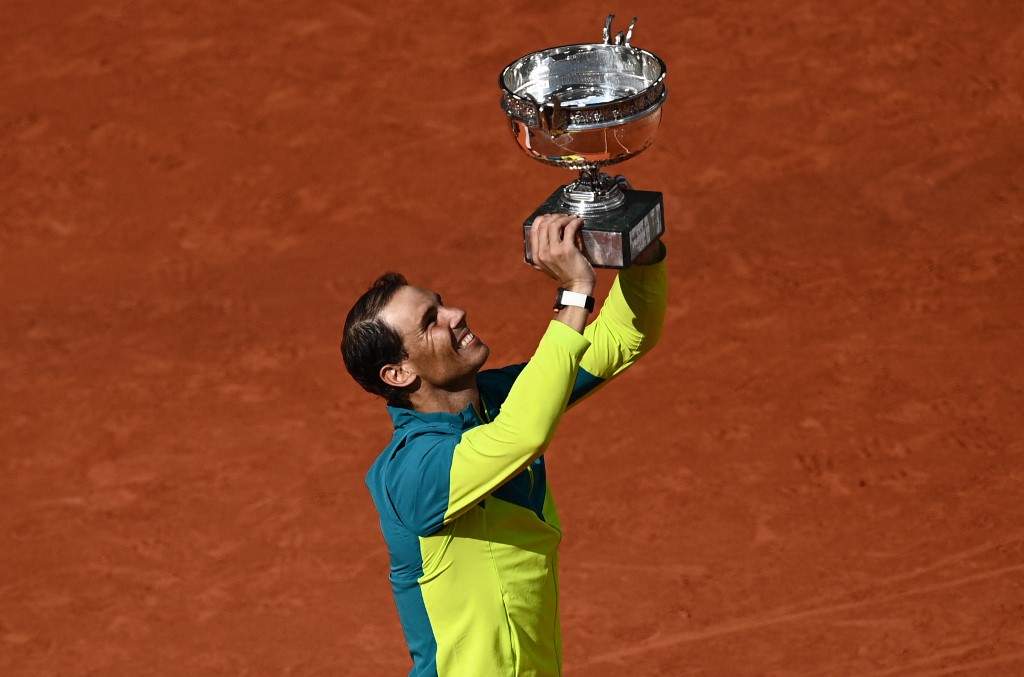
(462, 491)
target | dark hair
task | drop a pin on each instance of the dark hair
(369, 342)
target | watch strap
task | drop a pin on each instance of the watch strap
(573, 298)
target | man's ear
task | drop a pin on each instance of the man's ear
(397, 375)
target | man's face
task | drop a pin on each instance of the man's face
(442, 350)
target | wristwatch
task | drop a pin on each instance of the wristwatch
(573, 298)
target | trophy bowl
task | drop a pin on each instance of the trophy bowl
(584, 107)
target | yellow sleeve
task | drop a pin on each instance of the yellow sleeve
(630, 322)
(489, 455)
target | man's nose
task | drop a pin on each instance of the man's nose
(455, 316)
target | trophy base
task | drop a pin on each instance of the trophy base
(611, 239)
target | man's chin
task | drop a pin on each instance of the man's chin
(480, 360)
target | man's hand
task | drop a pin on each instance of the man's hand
(557, 251)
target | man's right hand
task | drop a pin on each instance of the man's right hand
(557, 251)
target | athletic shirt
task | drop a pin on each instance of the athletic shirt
(464, 504)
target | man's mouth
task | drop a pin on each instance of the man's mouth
(466, 340)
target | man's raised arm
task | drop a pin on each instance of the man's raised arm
(489, 455)
(630, 322)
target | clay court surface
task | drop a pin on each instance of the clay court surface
(820, 470)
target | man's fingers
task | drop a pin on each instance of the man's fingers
(540, 239)
(556, 242)
(572, 232)
(554, 227)
(547, 231)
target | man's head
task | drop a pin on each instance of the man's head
(400, 340)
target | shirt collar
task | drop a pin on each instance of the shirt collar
(408, 418)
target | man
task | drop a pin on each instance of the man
(465, 509)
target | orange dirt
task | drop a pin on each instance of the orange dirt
(818, 472)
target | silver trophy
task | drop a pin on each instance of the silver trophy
(586, 107)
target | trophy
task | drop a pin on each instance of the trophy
(586, 107)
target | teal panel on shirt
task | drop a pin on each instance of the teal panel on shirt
(585, 383)
(418, 481)
(527, 489)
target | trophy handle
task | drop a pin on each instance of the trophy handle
(621, 38)
(551, 117)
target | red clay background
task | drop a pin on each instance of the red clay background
(818, 472)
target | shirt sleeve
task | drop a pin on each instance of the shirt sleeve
(629, 325)
(489, 455)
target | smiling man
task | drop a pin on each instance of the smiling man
(461, 490)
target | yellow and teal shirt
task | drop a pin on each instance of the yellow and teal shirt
(465, 507)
